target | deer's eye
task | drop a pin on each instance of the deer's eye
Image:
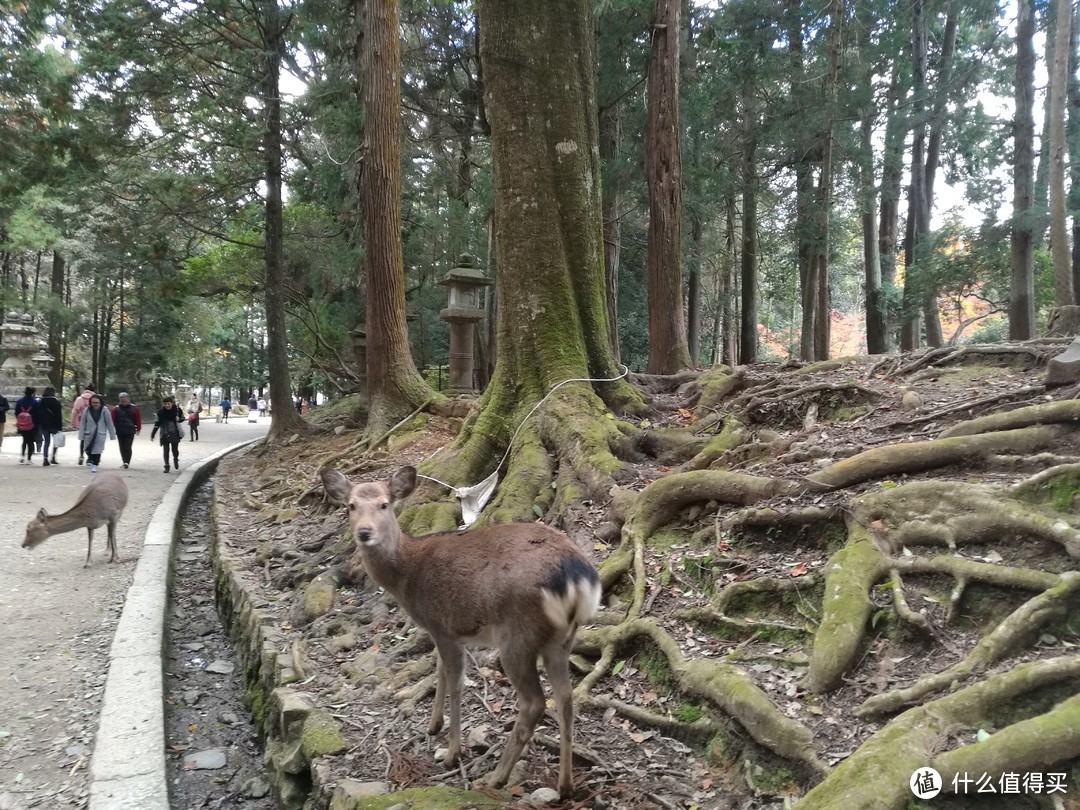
(385, 504)
(352, 507)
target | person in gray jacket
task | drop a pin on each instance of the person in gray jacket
(95, 426)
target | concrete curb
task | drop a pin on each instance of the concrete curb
(127, 769)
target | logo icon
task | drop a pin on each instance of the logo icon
(925, 783)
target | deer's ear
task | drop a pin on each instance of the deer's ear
(337, 485)
(402, 483)
(42, 514)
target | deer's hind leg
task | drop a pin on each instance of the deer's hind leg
(557, 666)
(520, 667)
(112, 542)
(89, 545)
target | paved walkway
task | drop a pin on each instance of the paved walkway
(58, 620)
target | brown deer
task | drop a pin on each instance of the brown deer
(523, 588)
(100, 504)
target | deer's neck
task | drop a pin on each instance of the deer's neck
(67, 521)
(385, 564)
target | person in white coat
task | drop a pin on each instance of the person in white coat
(95, 426)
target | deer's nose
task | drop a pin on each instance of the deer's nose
(363, 535)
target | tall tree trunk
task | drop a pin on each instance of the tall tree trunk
(1073, 135)
(1042, 170)
(277, 336)
(892, 171)
(668, 352)
(395, 387)
(687, 74)
(917, 224)
(876, 338)
(823, 318)
(748, 335)
(1063, 286)
(1022, 284)
(552, 322)
(610, 136)
(725, 326)
(56, 331)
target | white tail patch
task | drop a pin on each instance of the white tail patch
(573, 608)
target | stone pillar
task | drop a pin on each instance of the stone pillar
(359, 345)
(24, 362)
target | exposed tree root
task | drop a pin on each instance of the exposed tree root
(877, 774)
(721, 684)
(1003, 641)
(1029, 745)
(1038, 353)
(895, 459)
(849, 576)
(663, 383)
(903, 610)
(717, 384)
(1063, 412)
(732, 436)
(734, 590)
(788, 399)
(710, 616)
(770, 516)
(938, 415)
(953, 513)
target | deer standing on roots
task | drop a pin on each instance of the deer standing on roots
(100, 504)
(523, 588)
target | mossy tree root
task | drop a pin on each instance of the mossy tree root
(659, 502)
(894, 459)
(877, 774)
(733, 435)
(734, 590)
(717, 384)
(723, 685)
(1048, 413)
(1029, 745)
(849, 575)
(1016, 629)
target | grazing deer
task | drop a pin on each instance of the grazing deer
(100, 504)
(522, 587)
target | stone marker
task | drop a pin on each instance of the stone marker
(1065, 368)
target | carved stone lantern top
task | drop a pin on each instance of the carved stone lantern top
(465, 285)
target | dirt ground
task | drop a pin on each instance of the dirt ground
(640, 742)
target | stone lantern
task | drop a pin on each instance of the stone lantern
(23, 364)
(465, 285)
(359, 346)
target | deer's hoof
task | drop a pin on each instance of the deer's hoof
(435, 726)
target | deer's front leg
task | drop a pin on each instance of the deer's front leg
(451, 674)
(89, 546)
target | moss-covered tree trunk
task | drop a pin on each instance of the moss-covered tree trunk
(537, 58)
(395, 387)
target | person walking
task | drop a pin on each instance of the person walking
(4, 408)
(128, 424)
(168, 422)
(194, 404)
(193, 425)
(95, 425)
(52, 422)
(262, 407)
(226, 406)
(81, 402)
(28, 423)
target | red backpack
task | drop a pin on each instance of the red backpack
(24, 420)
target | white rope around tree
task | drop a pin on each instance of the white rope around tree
(474, 498)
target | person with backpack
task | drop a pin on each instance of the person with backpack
(168, 422)
(27, 420)
(95, 426)
(52, 422)
(81, 403)
(128, 424)
(193, 424)
(226, 407)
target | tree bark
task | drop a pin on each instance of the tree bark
(892, 171)
(668, 352)
(876, 333)
(917, 222)
(1073, 135)
(823, 318)
(1042, 169)
(395, 387)
(1022, 283)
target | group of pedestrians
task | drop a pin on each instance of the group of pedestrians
(39, 423)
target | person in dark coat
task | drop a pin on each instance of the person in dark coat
(4, 408)
(28, 423)
(169, 419)
(226, 408)
(128, 424)
(52, 422)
